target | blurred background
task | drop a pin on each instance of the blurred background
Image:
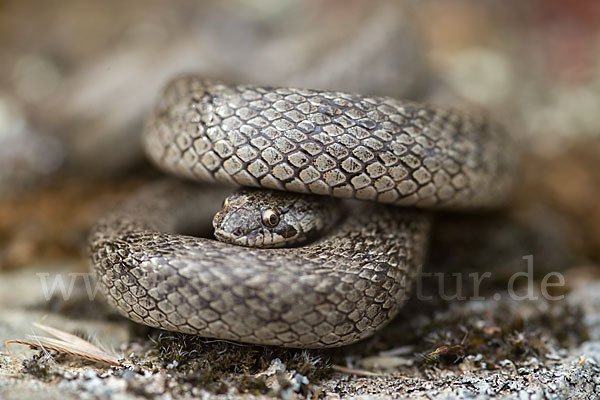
(77, 78)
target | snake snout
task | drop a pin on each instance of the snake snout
(236, 225)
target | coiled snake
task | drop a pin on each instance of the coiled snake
(333, 291)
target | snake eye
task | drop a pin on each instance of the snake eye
(270, 218)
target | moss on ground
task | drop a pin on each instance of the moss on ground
(217, 365)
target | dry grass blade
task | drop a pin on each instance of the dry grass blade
(66, 343)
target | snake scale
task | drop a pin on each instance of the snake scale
(333, 291)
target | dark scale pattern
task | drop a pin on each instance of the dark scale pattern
(329, 143)
(332, 292)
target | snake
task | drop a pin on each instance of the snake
(389, 162)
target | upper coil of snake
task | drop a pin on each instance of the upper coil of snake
(332, 292)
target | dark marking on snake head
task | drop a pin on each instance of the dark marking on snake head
(286, 230)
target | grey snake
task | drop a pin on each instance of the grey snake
(332, 291)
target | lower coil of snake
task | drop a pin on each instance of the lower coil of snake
(334, 289)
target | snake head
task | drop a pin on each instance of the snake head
(264, 218)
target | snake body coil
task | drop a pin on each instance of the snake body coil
(329, 293)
